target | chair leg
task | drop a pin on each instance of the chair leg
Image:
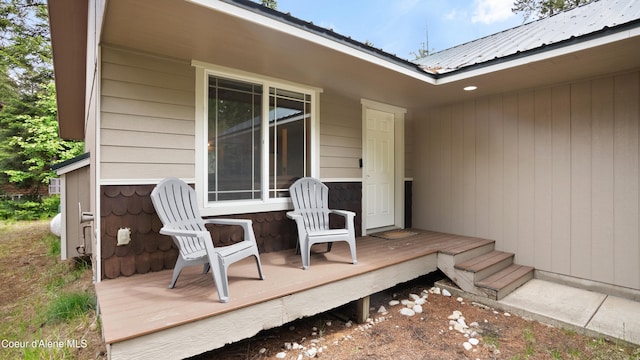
(329, 245)
(259, 266)
(352, 247)
(206, 268)
(305, 252)
(177, 269)
(219, 277)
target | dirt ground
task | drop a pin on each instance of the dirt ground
(426, 335)
(331, 335)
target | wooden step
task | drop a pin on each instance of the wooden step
(462, 247)
(487, 264)
(503, 282)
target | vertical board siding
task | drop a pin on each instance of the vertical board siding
(551, 174)
(542, 178)
(602, 180)
(496, 170)
(581, 179)
(561, 180)
(626, 192)
(147, 116)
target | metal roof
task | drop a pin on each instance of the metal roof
(578, 24)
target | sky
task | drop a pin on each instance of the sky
(400, 27)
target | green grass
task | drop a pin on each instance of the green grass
(65, 307)
(49, 298)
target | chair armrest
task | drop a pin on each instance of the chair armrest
(239, 222)
(178, 232)
(246, 225)
(345, 213)
(294, 215)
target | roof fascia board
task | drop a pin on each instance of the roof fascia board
(535, 55)
(70, 165)
(266, 21)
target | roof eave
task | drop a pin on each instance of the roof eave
(605, 35)
(68, 25)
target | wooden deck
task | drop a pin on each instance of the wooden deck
(142, 318)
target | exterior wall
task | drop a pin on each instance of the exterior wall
(129, 206)
(551, 174)
(340, 137)
(76, 190)
(147, 117)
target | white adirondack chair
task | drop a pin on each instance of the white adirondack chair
(176, 205)
(310, 199)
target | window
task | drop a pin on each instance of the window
(259, 138)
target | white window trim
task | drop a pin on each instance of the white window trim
(203, 71)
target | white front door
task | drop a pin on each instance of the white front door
(379, 169)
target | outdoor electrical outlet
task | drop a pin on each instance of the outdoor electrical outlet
(124, 236)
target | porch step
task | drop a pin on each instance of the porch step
(498, 285)
(484, 265)
(476, 267)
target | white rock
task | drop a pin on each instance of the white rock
(382, 310)
(459, 328)
(328, 323)
(420, 301)
(300, 357)
(507, 314)
(311, 352)
(394, 302)
(435, 290)
(348, 324)
(462, 322)
(446, 292)
(417, 309)
(467, 346)
(296, 346)
(288, 346)
(281, 355)
(474, 341)
(474, 324)
(262, 351)
(460, 299)
(407, 303)
(414, 297)
(407, 312)
(455, 315)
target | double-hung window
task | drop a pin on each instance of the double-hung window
(259, 137)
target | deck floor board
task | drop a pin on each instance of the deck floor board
(142, 304)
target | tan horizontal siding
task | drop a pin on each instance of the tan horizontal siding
(140, 155)
(340, 137)
(148, 116)
(146, 170)
(551, 174)
(146, 124)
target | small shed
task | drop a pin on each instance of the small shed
(75, 233)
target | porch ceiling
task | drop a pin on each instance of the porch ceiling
(189, 31)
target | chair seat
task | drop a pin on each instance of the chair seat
(225, 251)
(329, 232)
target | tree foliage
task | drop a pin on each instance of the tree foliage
(272, 4)
(543, 8)
(29, 141)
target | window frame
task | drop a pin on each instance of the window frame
(202, 73)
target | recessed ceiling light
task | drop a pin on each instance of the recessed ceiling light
(470, 88)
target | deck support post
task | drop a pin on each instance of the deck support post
(362, 311)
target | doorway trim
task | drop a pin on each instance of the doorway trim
(398, 149)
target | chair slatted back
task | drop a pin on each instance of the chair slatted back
(177, 207)
(310, 198)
